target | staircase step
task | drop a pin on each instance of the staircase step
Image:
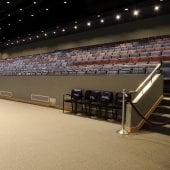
(160, 117)
(165, 101)
(167, 94)
(163, 109)
(159, 129)
(166, 87)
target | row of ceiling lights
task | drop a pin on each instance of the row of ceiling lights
(35, 2)
(88, 24)
(136, 12)
(21, 9)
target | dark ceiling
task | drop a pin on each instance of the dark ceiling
(21, 18)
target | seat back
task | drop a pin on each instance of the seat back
(76, 94)
(119, 98)
(87, 95)
(94, 95)
(106, 96)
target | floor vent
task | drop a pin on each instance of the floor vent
(40, 98)
(6, 93)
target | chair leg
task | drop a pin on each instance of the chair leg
(63, 105)
(106, 111)
(75, 110)
(72, 107)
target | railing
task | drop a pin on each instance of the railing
(142, 88)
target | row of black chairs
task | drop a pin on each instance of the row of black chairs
(96, 102)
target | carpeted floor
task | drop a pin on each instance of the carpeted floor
(39, 138)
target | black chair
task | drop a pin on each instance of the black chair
(93, 104)
(73, 98)
(106, 103)
(118, 102)
(85, 102)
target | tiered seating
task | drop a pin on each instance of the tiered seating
(104, 59)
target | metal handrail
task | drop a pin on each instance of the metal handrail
(149, 77)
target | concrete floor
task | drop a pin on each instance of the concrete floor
(40, 138)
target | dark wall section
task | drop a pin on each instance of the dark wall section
(133, 30)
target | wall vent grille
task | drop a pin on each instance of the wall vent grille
(40, 98)
(6, 93)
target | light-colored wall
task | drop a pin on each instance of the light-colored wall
(55, 86)
(133, 30)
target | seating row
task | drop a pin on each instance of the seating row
(73, 61)
(87, 70)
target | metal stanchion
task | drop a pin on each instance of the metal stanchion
(123, 131)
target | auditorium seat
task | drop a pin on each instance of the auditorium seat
(125, 70)
(166, 55)
(112, 72)
(138, 70)
(166, 72)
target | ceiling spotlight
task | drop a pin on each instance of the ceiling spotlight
(12, 43)
(126, 9)
(42, 31)
(54, 32)
(0, 28)
(161, 0)
(75, 27)
(75, 22)
(9, 15)
(37, 36)
(65, 2)
(32, 15)
(46, 9)
(30, 38)
(9, 24)
(19, 20)
(118, 17)
(23, 40)
(102, 20)
(17, 41)
(63, 30)
(136, 12)
(7, 44)
(88, 24)
(156, 8)
(57, 27)
(98, 16)
(21, 9)
(34, 2)
(45, 34)
(7, 2)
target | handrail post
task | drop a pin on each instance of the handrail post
(123, 131)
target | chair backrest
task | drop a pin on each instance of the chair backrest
(94, 95)
(87, 95)
(119, 98)
(106, 96)
(76, 94)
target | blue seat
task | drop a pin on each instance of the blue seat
(138, 70)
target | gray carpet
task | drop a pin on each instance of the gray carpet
(39, 138)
